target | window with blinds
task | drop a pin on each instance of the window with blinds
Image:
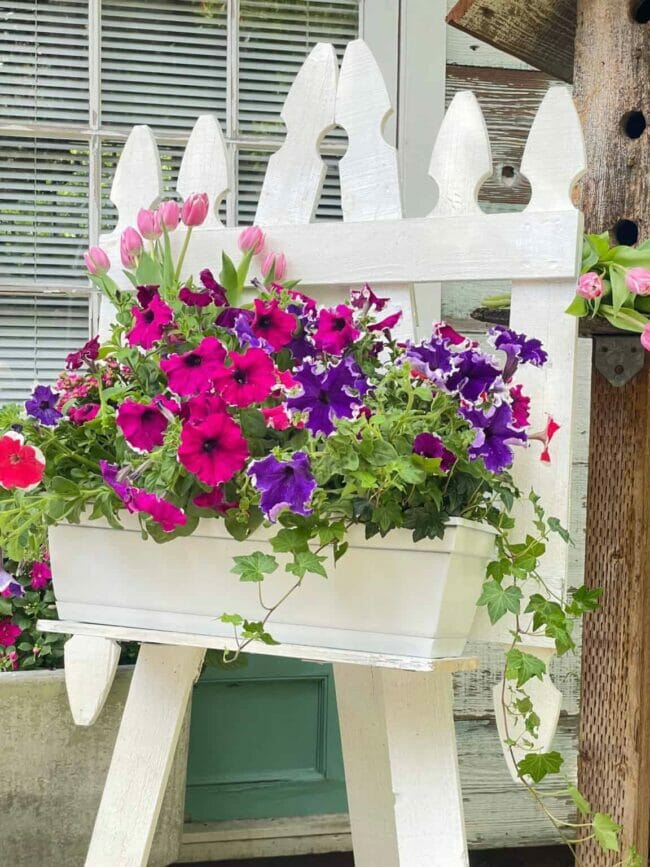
(63, 124)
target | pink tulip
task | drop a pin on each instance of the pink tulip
(280, 262)
(169, 214)
(149, 224)
(195, 209)
(645, 338)
(590, 286)
(252, 240)
(97, 262)
(637, 281)
(130, 246)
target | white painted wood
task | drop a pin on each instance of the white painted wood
(369, 175)
(295, 173)
(90, 666)
(371, 601)
(309, 654)
(204, 168)
(466, 50)
(138, 179)
(143, 755)
(461, 160)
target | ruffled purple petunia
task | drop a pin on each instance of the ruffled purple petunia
(431, 446)
(473, 376)
(327, 396)
(431, 358)
(283, 484)
(42, 405)
(518, 348)
(495, 434)
(9, 586)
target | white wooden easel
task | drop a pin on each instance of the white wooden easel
(396, 713)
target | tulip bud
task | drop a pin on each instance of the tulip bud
(97, 262)
(590, 286)
(251, 239)
(637, 281)
(169, 214)
(130, 246)
(195, 209)
(280, 262)
(149, 224)
(645, 337)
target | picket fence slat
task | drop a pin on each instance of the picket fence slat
(138, 179)
(204, 168)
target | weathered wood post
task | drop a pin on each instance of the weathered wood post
(612, 90)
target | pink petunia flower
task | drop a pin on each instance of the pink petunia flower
(86, 355)
(545, 436)
(160, 510)
(9, 632)
(21, 465)
(213, 450)
(249, 378)
(273, 324)
(365, 299)
(81, 414)
(213, 500)
(193, 371)
(335, 329)
(198, 408)
(276, 417)
(41, 575)
(143, 425)
(150, 323)
(387, 323)
(520, 405)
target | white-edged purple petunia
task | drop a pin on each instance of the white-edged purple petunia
(9, 586)
(283, 484)
(518, 348)
(329, 395)
(494, 436)
(42, 405)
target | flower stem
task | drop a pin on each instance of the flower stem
(181, 256)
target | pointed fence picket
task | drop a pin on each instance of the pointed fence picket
(537, 249)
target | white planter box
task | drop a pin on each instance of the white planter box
(53, 773)
(385, 595)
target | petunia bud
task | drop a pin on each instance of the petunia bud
(169, 214)
(280, 262)
(97, 262)
(149, 224)
(637, 281)
(251, 239)
(590, 286)
(195, 209)
(645, 337)
(130, 246)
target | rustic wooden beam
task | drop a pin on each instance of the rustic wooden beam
(540, 33)
(612, 79)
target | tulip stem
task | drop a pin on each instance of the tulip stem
(181, 256)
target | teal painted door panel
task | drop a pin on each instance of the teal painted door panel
(264, 742)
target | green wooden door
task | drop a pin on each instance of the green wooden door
(264, 742)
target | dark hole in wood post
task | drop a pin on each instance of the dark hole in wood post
(507, 172)
(626, 232)
(641, 11)
(634, 124)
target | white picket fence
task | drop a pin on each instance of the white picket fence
(538, 249)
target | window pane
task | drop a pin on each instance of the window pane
(252, 167)
(43, 210)
(37, 334)
(275, 38)
(44, 60)
(163, 62)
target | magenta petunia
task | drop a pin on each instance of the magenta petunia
(198, 408)
(216, 290)
(335, 330)
(273, 324)
(193, 371)
(248, 378)
(41, 575)
(214, 449)
(150, 323)
(276, 417)
(146, 293)
(86, 355)
(387, 323)
(430, 445)
(9, 632)
(365, 299)
(82, 414)
(214, 500)
(160, 510)
(143, 425)
(191, 298)
(520, 405)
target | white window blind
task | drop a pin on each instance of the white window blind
(75, 75)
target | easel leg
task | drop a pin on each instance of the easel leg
(143, 754)
(399, 746)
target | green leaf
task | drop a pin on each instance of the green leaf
(579, 800)
(228, 279)
(589, 255)
(65, 487)
(5, 607)
(620, 292)
(538, 765)
(252, 423)
(235, 619)
(606, 832)
(556, 527)
(291, 539)
(578, 307)
(522, 667)
(377, 452)
(626, 318)
(253, 567)
(500, 600)
(148, 271)
(307, 561)
(408, 472)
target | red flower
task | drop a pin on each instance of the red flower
(249, 378)
(273, 324)
(214, 450)
(545, 436)
(21, 466)
(276, 417)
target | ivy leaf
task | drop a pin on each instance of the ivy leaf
(582, 804)
(538, 765)
(555, 525)
(522, 667)
(307, 561)
(253, 567)
(500, 600)
(235, 619)
(254, 630)
(584, 599)
(606, 832)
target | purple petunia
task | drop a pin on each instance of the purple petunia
(9, 586)
(327, 396)
(495, 433)
(42, 405)
(431, 358)
(431, 446)
(283, 484)
(518, 348)
(474, 375)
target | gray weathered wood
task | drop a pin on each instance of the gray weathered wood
(539, 33)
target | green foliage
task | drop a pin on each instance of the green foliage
(539, 765)
(253, 567)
